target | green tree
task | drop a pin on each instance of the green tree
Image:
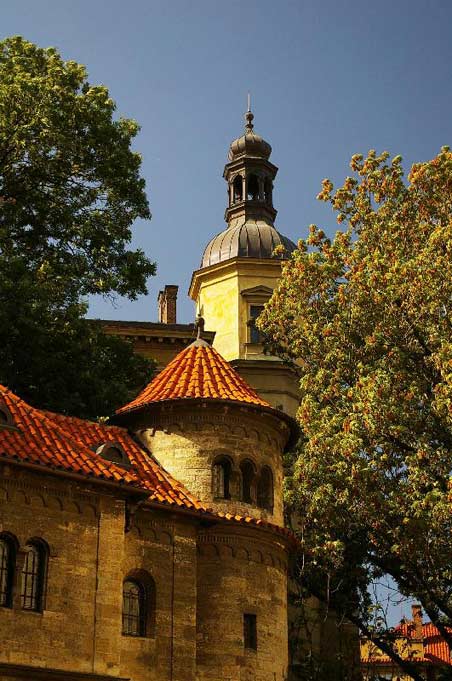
(70, 190)
(367, 319)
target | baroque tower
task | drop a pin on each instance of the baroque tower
(239, 270)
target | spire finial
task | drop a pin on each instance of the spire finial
(199, 326)
(249, 117)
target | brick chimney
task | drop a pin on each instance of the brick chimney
(167, 304)
(416, 612)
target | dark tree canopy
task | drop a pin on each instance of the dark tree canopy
(70, 190)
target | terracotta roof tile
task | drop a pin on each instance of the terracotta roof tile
(198, 372)
(66, 443)
(436, 650)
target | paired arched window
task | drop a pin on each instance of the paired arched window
(221, 478)
(265, 489)
(8, 550)
(34, 576)
(248, 472)
(138, 605)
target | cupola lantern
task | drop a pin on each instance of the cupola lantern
(250, 176)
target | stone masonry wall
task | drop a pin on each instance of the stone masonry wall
(164, 549)
(78, 628)
(238, 574)
(90, 556)
(187, 443)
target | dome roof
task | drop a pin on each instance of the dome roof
(249, 144)
(248, 239)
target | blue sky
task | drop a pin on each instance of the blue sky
(328, 79)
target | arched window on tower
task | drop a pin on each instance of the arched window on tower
(248, 472)
(8, 551)
(253, 188)
(237, 194)
(34, 575)
(221, 478)
(265, 489)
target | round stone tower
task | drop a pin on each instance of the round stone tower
(213, 433)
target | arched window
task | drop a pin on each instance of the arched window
(8, 550)
(248, 475)
(134, 608)
(265, 489)
(221, 478)
(253, 188)
(34, 576)
(113, 451)
(237, 189)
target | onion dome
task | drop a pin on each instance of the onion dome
(249, 144)
(248, 239)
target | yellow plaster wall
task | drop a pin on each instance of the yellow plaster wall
(218, 301)
(217, 293)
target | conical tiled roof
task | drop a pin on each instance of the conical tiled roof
(198, 372)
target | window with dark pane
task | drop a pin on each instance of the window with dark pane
(255, 334)
(133, 609)
(248, 475)
(7, 566)
(33, 575)
(221, 477)
(249, 631)
(265, 489)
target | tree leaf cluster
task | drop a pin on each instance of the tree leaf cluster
(70, 191)
(366, 319)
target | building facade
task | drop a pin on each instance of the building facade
(151, 548)
(420, 643)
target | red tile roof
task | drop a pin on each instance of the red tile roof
(66, 443)
(199, 371)
(436, 650)
(69, 444)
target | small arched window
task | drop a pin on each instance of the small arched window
(8, 550)
(34, 576)
(221, 478)
(113, 451)
(237, 189)
(134, 608)
(265, 489)
(248, 475)
(253, 188)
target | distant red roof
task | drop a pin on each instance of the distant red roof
(199, 371)
(436, 650)
(435, 647)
